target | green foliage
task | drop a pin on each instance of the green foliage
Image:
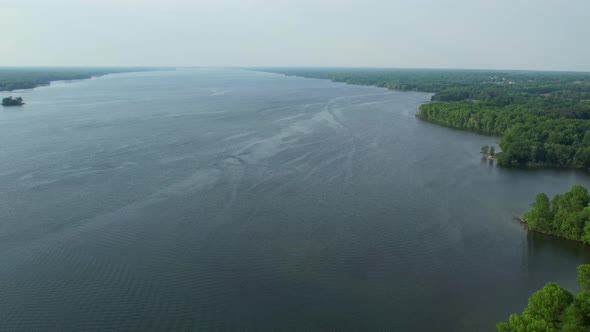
(559, 142)
(566, 215)
(541, 116)
(485, 150)
(526, 138)
(584, 277)
(548, 305)
(554, 309)
(540, 216)
(544, 311)
(577, 316)
(492, 151)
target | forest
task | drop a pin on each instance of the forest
(554, 308)
(566, 215)
(14, 78)
(540, 117)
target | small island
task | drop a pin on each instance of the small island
(9, 101)
(488, 152)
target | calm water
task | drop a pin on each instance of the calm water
(226, 200)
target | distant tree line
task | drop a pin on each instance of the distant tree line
(540, 116)
(28, 78)
(553, 308)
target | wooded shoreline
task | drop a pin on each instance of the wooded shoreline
(542, 118)
(29, 78)
(565, 215)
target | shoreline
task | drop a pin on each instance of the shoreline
(44, 77)
(458, 91)
(524, 223)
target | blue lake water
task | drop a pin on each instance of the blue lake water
(238, 200)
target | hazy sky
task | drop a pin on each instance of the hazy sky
(510, 34)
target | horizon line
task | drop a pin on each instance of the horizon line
(289, 67)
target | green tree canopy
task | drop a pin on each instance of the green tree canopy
(540, 216)
(566, 215)
(584, 277)
(554, 309)
(542, 117)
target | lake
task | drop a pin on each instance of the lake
(236, 200)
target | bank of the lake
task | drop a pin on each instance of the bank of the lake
(565, 215)
(541, 117)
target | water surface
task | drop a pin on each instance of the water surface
(226, 200)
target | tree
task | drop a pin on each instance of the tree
(544, 311)
(485, 150)
(540, 216)
(548, 304)
(579, 198)
(576, 318)
(554, 309)
(492, 151)
(584, 277)
(586, 230)
(569, 215)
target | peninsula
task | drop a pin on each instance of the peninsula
(566, 216)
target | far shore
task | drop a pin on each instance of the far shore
(21, 79)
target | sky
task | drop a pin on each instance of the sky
(490, 34)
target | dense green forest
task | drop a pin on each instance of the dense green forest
(566, 215)
(541, 117)
(553, 308)
(27, 78)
